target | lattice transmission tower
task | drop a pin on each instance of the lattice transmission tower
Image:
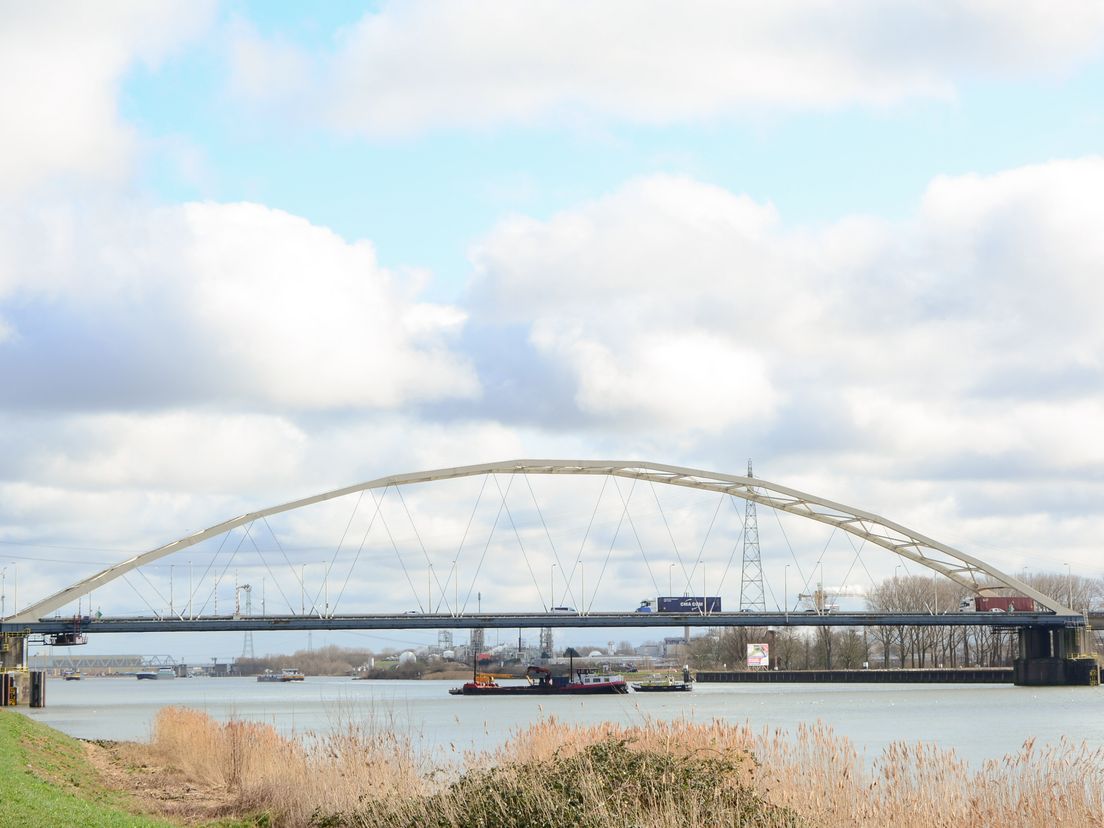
(751, 579)
(247, 641)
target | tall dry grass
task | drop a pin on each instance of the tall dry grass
(295, 780)
(652, 775)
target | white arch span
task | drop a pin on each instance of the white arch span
(958, 566)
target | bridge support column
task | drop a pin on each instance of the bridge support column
(1052, 657)
(13, 649)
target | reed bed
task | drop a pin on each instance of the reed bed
(653, 775)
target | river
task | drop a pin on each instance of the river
(978, 722)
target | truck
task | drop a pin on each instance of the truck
(997, 603)
(681, 604)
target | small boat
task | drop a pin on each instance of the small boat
(71, 675)
(287, 674)
(662, 684)
(146, 676)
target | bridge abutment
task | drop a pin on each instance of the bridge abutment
(1053, 657)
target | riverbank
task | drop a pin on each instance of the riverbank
(196, 771)
(46, 779)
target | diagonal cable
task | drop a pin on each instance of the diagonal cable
(291, 566)
(425, 552)
(230, 560)
(521, 546)
(398, 554)
(582, 545)
(671, 535)
(613, 540)
(454, 572)
(487, 545)
(337, 551)
(356, 558)
(268, 569)
(555, 554)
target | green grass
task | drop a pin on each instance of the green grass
(46, 781)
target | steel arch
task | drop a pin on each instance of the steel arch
(958, 566)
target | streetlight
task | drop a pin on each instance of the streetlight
(1069, 585)
(582, 589)
(551, 587)
(786, 590)
(670, 579)
(456, 587)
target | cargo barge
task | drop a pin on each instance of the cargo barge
(539, 681)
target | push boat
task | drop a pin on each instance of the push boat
(287, 674)
(539, 681)
(662, 685)
(665, 684)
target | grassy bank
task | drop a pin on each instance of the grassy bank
(656, 775)
(46, 780)
(50, 780)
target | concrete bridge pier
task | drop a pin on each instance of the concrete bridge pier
(1053, 657)
(13, 649)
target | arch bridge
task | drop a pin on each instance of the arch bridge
(1040, 644)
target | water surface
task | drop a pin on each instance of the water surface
(978, 721)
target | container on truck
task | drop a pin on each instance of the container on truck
(681, 604)
(997, 603)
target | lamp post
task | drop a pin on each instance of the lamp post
(551, 587)
(582, 589)
(1069, 586)
(786, 591)
(670, 579)
(896, 589)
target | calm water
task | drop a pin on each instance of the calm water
(978, 721)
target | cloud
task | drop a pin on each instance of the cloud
(966, 330)
(60, 68)
(412, 66)
(126, 307)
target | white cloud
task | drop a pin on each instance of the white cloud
(213, 303)
(966, 331)
(60, 67)
(470, 63)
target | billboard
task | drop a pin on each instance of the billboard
(689, 603)
(758, 655)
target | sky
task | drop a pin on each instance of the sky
(254, 251)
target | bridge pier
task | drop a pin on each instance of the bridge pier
(1052, 657)
(13, 650)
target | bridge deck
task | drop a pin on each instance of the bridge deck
(423, 621)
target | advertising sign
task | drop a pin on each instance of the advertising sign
(758, 655)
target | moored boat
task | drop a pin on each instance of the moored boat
(71, 675)
(287, 674)
(662, 684)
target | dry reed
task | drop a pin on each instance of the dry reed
(648, 775)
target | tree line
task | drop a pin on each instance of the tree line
(812, 648)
